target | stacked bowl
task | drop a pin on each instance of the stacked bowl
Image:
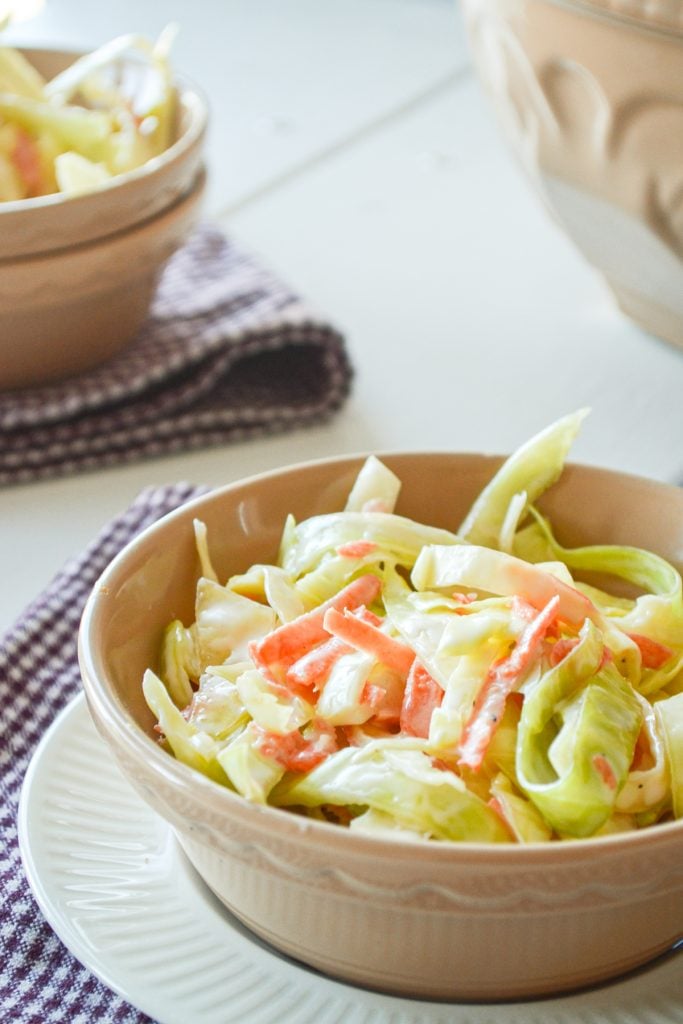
(78, 272)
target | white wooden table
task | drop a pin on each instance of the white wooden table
(352, 148)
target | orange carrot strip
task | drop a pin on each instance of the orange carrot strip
(26, 159)
(496, 806)
(388, 699)
(461, 598)
(523, 609)
(605, 770)
(312, 669)
(652, 653)
(289, 642)
(372, 695)
(296, 752)
(357, 548)
(561, 649)
(421, 695)
(500, 681)
(642, 754)
(366, 637)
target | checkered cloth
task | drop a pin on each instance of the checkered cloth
(228, 352)
(40, 982)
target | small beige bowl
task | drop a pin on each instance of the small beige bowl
(32, 226)
(66, 311)
(459, 921)
(589, 94)
(77, 273)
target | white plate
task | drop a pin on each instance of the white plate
(116, 887)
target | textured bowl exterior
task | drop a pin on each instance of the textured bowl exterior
(589, 94)
(30, 227)
(64, 312)
(463, 921)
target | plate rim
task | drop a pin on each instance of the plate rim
(379, 1006)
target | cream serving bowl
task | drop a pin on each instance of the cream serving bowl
(445, 920)
(589, 94)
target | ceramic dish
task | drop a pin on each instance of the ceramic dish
(111, 883)
(589, 95)
(418, 919)
(67, 311)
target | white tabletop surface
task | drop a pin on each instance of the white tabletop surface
(352, 148)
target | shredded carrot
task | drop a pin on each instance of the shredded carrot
(421, 696)
(357, 548)
(354, 736)
(523, 609)
(385, 694)
(606, 657)
(652, 653)
(605, 770)
(372, 695)
(642, 753)
(311, 670)
(517, 699)
(463, 600)
(502, 678)
(365, 615)
(561, 649)
(26, 159)
(366, 637)
(296, 752)
(496, 806)
(278, 650)
(530, 642)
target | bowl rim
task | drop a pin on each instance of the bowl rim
(138, 230)
(658, 18)
(265, 817)
(188, 94)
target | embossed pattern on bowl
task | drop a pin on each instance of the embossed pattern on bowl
(589, 95)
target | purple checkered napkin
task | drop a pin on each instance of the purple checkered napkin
(228, 352)
(40, 982)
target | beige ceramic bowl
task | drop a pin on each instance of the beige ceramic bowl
(32, 226)
(65, 311)
(589, 94)
(426, 919)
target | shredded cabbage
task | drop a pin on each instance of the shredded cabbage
(408, 681)
(530, 471)
(98, 118)
(394, 777)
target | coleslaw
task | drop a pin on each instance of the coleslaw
(397, 678)
(109, 112)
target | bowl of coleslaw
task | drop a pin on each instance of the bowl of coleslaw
(98, 152)
(417, 719)
(93, 143)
